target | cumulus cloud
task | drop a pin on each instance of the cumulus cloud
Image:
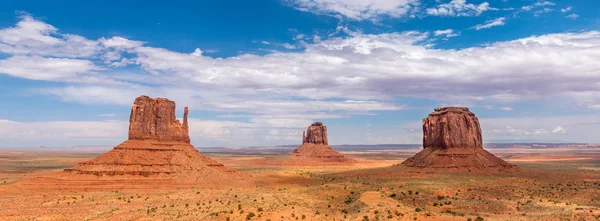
(459, 8)
(357, 10)
(33, 37)
(566, 9)
(491, 23)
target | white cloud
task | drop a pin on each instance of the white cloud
(559, 130)
(357, 10)
(51, 132)
(527, 8)
(572, 16)
(544, 10)
(266, 42)
(197, 52)
(448, 33)
(288, 46)
(491, 23)
(506, 108)
(459, 8)
(107, 115)
(566, 9)
(120, 43)
(364, 67)
(34, 37)
(49, 69)
(544, 3)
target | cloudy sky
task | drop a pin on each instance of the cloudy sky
(257, 73)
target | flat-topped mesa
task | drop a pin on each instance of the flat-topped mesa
(154, 119)
(315, 134)
(452, 127)
(452, 140)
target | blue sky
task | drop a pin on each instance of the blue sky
(259, 72)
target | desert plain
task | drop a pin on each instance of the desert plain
(552, 182)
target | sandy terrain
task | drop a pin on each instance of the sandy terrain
(546, 187)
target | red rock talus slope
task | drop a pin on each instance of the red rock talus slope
(158, 146)
(452, 140)
(315, 149)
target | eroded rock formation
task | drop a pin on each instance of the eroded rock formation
(315, 134)
(158, 145)
(315, 149)
(452, 139)
(154, 119)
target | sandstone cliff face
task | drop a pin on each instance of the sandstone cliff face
(452, 127)
(315, 134)
(154, 119)
(452, 140)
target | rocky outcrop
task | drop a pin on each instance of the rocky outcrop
(158, 145)
(154, 119)
(452, 140)
(452, 127)
(315, 149)
(315, 134)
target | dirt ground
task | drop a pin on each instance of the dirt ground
(550, 185)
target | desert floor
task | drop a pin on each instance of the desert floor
(556, 184)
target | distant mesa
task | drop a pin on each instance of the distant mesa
(158, 146)
(315, 149)
(452, 140)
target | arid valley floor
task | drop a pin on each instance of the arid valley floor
(550, 184)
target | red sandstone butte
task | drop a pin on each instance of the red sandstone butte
(154, 119)
(315, 148)
(158, 146)
(452, 140)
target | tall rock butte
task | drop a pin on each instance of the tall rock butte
(315, 149)
(452, 140)
(158, 146)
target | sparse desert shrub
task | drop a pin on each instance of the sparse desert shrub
(250, 215)
(365, 218)
(479, 218)
(418, 209)
(303, 216)
(260, 209)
